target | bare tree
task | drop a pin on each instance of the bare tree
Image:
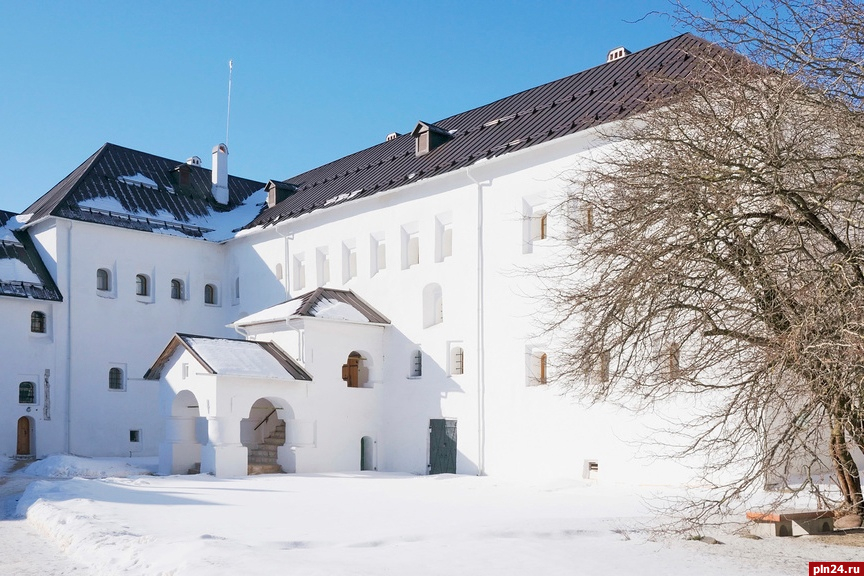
(716, 251)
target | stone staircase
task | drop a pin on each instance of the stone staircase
(262, 460)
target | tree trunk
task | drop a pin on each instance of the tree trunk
(848, 476)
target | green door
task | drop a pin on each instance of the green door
(442, 446)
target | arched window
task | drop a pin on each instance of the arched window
(541, 375)
(457, 361)
(26, 393)
(279, 273)
(115, 379)
(210, 294)
(177, 289)
(237, 288)
(142, 285)
(37, 322)
(674, 360)
(433, 305)
(354, 373)
(416, 367)
(103, 279)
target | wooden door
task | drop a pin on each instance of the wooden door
(442, 446)
(23, 436)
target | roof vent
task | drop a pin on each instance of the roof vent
(617, 53)
(392, 136)
(427, 137)
(278, 191)
(193, 161)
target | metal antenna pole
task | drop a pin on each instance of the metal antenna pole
(228, 121)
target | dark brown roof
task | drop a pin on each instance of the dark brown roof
(188, 341)
(111, 172)
(611, 91)
(20, 248)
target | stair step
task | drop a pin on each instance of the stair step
(264, 469)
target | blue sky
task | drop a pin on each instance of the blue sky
(312, 81)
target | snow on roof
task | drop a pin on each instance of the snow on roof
(225, 356)
(327, 303)
(12, 270)
(14, 223)
(214, 226)
(275, 313)
(237, 357)
(336, 310)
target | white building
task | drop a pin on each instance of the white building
(421, 354)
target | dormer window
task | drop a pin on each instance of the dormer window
(427, 137)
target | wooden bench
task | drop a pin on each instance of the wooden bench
(770, 524)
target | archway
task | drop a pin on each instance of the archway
(25, 436)
(264, 433)
(185, 434)
(367, 453)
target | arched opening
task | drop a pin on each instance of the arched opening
(264, 434)
(142, 285)
(186, 434)
(367, 453)
(210, 294)
(355, 372)
(37, 322)
(177, 289)
(103, 279)
(25, 436)
(433, 305)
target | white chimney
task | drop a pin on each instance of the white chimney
(220, 174)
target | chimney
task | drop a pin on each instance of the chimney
(278, 191)
(220, 174)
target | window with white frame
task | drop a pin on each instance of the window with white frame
(378, 253)
(103, 280)
(537, 367)
(323, 265)
(142, 285)
(236, 289)
(177, 289)
(211, 295)
(457, 359)
(299, 271)
(443, 237)
(38, 322)
(349, 261)
(116, 378)
(433, 305)
(415, 368)
(410, 245)
(27, 393)
(535, 225)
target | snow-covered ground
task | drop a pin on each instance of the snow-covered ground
(373, 523)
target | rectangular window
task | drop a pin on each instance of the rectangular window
(135, 436)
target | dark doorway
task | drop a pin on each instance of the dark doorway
(442, 446)
(367, 454)
(23, 436)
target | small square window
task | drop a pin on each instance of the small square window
(134, 436)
